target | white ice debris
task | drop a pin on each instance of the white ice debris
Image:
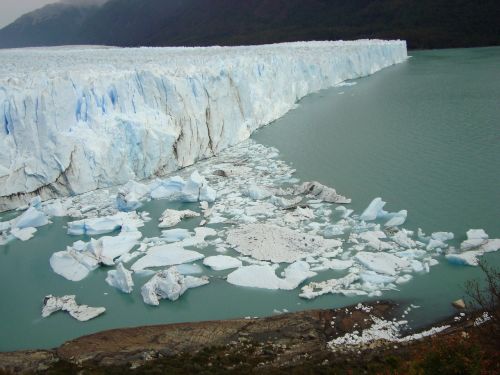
(384, 263)
(106, 224)
(397, 219)
(166, 255)
(175, 235)
(374, 210)
(264, 276)
(82, 313)
(477, 239)
(24, 234)
(277, 244)
(315, 289)
(169, 284)
(321, 192)
(121, 279)
(32, 217)
(78, 260)
(171, 218)
(221, 262)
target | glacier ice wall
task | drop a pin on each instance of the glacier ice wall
(79, 118)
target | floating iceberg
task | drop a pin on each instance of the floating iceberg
(169, 284)
(106, 224)
(264, 276)
(384, 263)
(322, 192)
(121, 279)
(221, 262)
(171, 218)
(82, 313)
(277, 244)
(166, 255)
(32, 217)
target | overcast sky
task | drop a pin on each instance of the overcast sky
(10, 10)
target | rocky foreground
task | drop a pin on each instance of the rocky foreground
(300, 342)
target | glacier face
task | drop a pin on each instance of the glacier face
(75, 119)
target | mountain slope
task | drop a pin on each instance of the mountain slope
(424, 23)
(54, 24)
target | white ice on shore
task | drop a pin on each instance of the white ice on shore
(121, 279)
(105, 117)
(52, 304)
(169, 284)
(221, 262)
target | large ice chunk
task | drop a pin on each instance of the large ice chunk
(82, 313)
(277, 244)
(171, 218)
(384, 263)
(166, 255)
(169, 284)
(264, 276)
(374, 210)
(221, 262)
(32, 217)
(121, 279)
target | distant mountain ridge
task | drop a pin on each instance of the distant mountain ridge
(423, 23)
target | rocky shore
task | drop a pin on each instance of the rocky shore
(300, 342)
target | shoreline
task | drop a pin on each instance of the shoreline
(275, 342)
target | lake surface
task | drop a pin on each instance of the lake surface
(423, 135)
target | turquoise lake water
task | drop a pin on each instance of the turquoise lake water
(423, 135)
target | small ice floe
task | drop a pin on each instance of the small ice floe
(175, 235)
(130, 195)
(285, 203)
(197, 189)
(264, 276)
(72, 264)
(384, 263)
(169, 284)
(372, 239)
(334, 286)
(121, 279)
(374, 210)
(171, 218)
(82, 313)
(166, 255)
(78, 260)
(396, 219)
(24, 234)
(344, 211)
(32, 217)
(105, 224)
(258, 192)
(477, 239)
(222, 262)
(322, 192)
(403, 239)
(277, 244)
(55, 208)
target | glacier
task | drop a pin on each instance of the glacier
(76, 119)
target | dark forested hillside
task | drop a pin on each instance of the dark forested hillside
(423, 23)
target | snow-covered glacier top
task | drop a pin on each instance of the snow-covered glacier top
(75, 119)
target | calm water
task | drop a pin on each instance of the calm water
(424, 135)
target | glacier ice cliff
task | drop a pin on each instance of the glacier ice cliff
(75, 119)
